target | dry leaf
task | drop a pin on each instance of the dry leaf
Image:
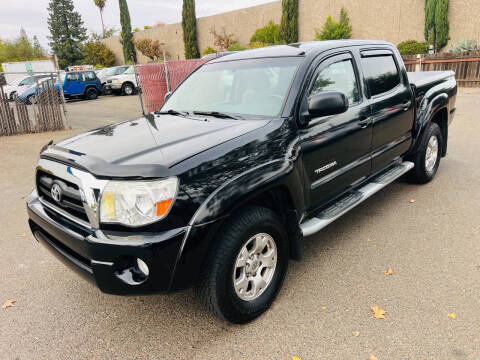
(378, 313)
(452, 316)
(389, 271)
(356, 333)
(8, 303)
(324, 308)
(23, 235)
(372, 357)
(295, 358)
(412, 201)
(369, 240)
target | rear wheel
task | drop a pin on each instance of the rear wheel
(91, 94)
(127, 89)
(427, 159)
(31, 99)
(245, 270)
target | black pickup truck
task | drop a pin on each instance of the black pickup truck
(251, 153)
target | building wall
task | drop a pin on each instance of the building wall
(390, 20)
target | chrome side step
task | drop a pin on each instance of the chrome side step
(329, 215)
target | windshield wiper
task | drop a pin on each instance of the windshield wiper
(171, 112)
(216, 114)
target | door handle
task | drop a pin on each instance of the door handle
(406, 105)
(364, 121)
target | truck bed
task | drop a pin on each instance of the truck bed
(422, 78)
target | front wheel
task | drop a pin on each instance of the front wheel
(31, 99)
(127, 89)
(245, 270)
(427, 159)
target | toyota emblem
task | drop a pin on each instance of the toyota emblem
(56, 192)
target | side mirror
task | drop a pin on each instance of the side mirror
(327, 103)
(167, 95)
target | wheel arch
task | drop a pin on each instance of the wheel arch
(90, 87)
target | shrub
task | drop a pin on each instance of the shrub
(151, 49)
(209, 50)
(236, 47)
(269, 34)
(464, 46)
(257, 45)
(222, 40)
(333, 30)
(412, 47)
(97, 53)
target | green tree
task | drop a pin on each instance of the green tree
(436, 23)
(289, 23)
(109, 32)
(38, 51)
(98, 54)
(333, 30)
(268, 35)
(21, 49)
(66, 32)
(189, 25)
(101, 5)
(126, 34)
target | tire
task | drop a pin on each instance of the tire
(31, 99)
(427, 159)
(216, 289)
(91, 94)
(127, 89)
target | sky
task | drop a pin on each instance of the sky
(32, 14)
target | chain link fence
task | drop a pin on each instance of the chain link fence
(30, 104)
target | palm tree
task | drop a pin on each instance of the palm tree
(101, 5)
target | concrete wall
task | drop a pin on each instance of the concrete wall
(390, 20)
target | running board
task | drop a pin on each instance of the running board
(332, 213)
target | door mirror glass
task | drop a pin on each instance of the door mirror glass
(327, 103)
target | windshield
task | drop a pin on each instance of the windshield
(254, 87)
(130, 70)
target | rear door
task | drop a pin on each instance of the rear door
(336, 149)
(390, 97)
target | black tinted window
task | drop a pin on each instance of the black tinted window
(381, 73)
(338, 76)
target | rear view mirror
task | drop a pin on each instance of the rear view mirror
(327, 103)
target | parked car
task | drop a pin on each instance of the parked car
(218, 188)
(124, 84)
(30, 95)
(19, 86)
(107, 73)
(80, 84)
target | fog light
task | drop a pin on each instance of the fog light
(143, 267)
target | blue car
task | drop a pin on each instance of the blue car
(77, 84)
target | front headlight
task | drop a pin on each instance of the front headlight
(136, 203)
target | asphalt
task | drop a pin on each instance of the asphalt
(432, 245)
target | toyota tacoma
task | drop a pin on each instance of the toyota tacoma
(251, 153)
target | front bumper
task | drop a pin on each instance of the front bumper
(108, 259)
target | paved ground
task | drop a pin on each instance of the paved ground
(432, 245)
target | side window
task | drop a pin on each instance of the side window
(339, 76)
(90, 76)
(28, 81)
(381, 73)
(72, 77)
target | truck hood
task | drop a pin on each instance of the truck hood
(160, 140)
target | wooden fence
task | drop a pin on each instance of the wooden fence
(43, 114)
(466, 66)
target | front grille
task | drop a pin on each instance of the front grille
(71, 200)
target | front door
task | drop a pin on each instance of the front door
(336, 149)
(73, 84)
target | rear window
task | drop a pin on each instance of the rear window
(381, 73)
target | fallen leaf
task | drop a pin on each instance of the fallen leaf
(324, 308)
(378, 313)
(412, 201)
(389, 271)
(8, 303)
(372, 357)
(23, 235)
(356, 333)
(369, 240)
(452, 316)
(295, 358)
